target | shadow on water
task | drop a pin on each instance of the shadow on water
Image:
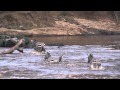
(74, 63)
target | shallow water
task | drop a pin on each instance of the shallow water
(31, 65)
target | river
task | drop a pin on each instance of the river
(31, 65)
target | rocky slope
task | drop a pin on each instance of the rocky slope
(32, 23)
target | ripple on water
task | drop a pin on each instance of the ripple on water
(74, 62)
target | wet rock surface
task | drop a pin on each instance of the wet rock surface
(10, 41)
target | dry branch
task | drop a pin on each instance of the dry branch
(11, 50)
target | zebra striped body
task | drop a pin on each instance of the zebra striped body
(39, 46)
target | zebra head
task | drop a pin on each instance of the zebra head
(90, 58)
(39, 46)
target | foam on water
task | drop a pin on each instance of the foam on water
(74, 60)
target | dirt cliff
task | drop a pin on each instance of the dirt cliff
(59, 22)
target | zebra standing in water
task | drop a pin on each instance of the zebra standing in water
(48, 58)
(47, 55)
(39, 46)
(94, 63)
(90, 58)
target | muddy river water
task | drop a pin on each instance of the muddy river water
(31, 64)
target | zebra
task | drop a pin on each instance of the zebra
(96, 65)
(47, 55)
(39, 46)
(90, 58)
(52, 60)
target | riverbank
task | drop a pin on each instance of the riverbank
(67, 23)
(55, 31)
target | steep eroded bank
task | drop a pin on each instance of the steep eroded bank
(32, 23)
